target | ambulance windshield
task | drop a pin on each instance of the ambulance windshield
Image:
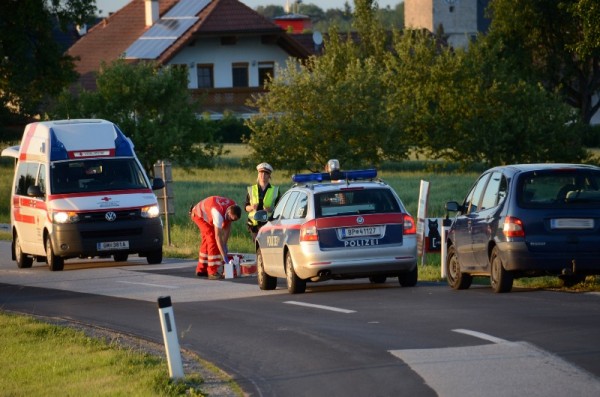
(96, 175)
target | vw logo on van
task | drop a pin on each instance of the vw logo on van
(360, 220)
(110, 216)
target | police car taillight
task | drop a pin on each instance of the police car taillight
(409, 225)
(308, 231)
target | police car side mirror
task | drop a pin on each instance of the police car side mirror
(34, 191)
(261, 216)
(158, 183)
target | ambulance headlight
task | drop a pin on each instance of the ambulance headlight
(65, 217)
(150, 211)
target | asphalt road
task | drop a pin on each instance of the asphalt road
(339, 338)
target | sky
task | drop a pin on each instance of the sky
(107, 6)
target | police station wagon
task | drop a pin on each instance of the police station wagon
(337, 225)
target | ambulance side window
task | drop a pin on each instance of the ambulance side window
(42, 179)
(26, 174)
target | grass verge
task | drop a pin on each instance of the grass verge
(51, 360)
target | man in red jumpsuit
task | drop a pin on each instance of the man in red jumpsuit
(214, 215)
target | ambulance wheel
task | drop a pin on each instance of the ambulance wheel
(154, 257)
(55, 263)
(265, 282)
(23, 260)
(295, 284)
(121, 257)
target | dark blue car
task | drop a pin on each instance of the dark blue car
(526, 220)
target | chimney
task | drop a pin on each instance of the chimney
(151, 12)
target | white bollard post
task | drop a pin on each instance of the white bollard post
(445, 228)
(167, 322)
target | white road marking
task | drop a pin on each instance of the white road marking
(149, 285)
(480, 335)
(492, 370)
(331, 308)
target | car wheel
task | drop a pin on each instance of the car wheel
(154, 257)
(571, 280)
(500, 279)
(456, 279)
(409, 279)
(295, 284)
(265, 282)
(55, 263)
(121, 257)
(377, 279)
(23, 260)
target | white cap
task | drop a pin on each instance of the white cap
(266, 167)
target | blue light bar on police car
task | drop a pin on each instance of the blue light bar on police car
(338, 175)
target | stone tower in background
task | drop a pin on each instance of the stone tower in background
(459, 20)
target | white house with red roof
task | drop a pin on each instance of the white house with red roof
(227, 48)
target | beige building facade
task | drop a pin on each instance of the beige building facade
(459, 20)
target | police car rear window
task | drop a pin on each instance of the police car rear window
(352, 202)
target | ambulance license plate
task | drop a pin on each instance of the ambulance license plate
(112, 245)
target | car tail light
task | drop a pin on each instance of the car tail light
(409, 225)
(513, 227)
(308, 231)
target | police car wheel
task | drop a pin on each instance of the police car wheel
(55, 263)
(409, 279)
(23, 260)
(295, 284)
(377, 279)
(265, 282)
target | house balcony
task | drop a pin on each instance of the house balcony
(217, 101)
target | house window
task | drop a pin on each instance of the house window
(205, 76)
(266, 70)
(240, 74)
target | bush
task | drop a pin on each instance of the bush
(231, 129)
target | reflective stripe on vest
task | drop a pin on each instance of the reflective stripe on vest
(270, 196)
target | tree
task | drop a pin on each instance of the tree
(329, 106)
(315, 12)
(153, 107)
(270, 11)
(392, 17)
(471, 107)
(556, 43)
(32, 65)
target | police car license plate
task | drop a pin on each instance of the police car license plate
(112, 245)
(366, 231)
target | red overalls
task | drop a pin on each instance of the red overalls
(210, 258)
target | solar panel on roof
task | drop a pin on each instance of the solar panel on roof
(166, 30)
(148, 48)
(168, 27)
(187, 8)
(161, 35)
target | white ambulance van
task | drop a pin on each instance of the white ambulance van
(80, 191)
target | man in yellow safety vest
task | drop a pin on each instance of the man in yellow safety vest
(261, 196)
